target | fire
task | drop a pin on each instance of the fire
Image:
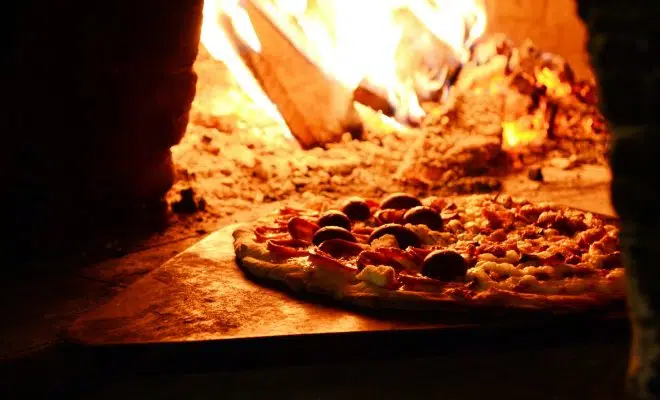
(553, 83)
(524, 131)
(218, 44)
(394, 45)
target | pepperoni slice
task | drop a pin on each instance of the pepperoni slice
(300, 228)
(418, 253)
(369, 257)
(341, 248)
(389, 216)
(438, 204)
(401, 257)
(324, 260)
(492, 248)
(417, 281)
(390, 256)
(288, 248)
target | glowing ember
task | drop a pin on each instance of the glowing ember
(524, 131)
(553, 83)
(356, 41)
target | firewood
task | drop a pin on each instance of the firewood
(317, 108)
(369, 96)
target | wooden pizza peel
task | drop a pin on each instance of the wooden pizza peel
(201, 300)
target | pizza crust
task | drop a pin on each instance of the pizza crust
(255, 259)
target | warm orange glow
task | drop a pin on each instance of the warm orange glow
(355, 41)
(524, 131)
(553, 83)
(217, 43)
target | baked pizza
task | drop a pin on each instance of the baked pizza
(437, 253)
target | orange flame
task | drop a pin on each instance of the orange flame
(353, 41)
(525, 131)
(553, 83)
(217, 43)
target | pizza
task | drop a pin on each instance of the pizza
(403, 252)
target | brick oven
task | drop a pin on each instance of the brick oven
(118, 82)
(168, 122)
(237, 152)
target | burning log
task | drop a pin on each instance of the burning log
(317, 108)
(373, 98)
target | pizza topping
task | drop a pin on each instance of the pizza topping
(526, 283)
(495, 249)
(341, 248)
(379, 275)
(497, 236)
(402, 258)
(444, 265)
(466, 245)
(454, 225)
(369, 257)
(400, 201)
(324, 260)
(479, 278)
(385, 241)
(300, 228)
(334, 218)
(449, 211)
(496, 218)
(419, 282)
(500, 268)
(422, 215)
(561, 222)
(404, 236)
(389, 216)
(332, 232)
(418, 254)
(436, 203)
(356, 208)
(543, 272)
(288, 248)
(585, 238)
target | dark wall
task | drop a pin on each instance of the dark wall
(97, 94)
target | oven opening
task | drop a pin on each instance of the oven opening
(308, 99)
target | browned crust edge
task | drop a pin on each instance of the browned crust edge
(254, 258)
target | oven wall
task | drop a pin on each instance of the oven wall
(553, 25)
(97, 94)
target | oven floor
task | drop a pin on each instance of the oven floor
(38, 307)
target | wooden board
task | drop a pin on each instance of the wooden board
(316, 107)
(201, 295)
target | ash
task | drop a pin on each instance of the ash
(234, 157)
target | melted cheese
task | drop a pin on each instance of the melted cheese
(385, 241)
(430, 237)
(379, 275)
(505, 269)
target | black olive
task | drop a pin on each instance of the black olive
(334, 218)
(444, 265)
(404, 236)
(400, 201)
(422, 215)
(356, 209)
(332, 232)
